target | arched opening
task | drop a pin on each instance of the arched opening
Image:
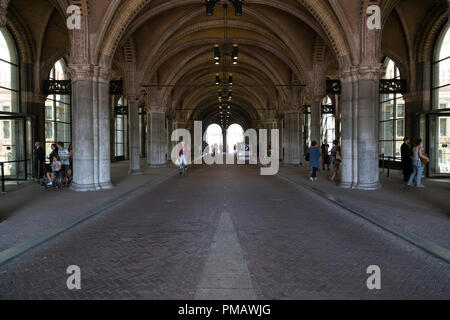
(439, 121)
(392, 116)
(58, 115)
(121, 130)
(328, 121)
(9, 73)
(214, 139)
(235, 137)
(12, 128)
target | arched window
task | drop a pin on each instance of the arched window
(11, 131)
(235, 137)
(439, 140)
(121, 130)
(328, 125)
(441, 71)
(58, 118)
(9, 73)
(392, 116)
(214, 138)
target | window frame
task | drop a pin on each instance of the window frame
(9, 39)
(393, 98)
(436, 60)
(55, 103)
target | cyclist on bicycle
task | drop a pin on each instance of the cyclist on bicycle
(182, 156)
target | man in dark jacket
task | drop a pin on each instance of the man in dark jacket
(39, 158)
(407, 156)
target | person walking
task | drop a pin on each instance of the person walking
(314, 160)
(419, 158)
(39, 158)
(407, 159)
(325, 155)
(337, 159)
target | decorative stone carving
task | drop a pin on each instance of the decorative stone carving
(80, 72)
(3, 11)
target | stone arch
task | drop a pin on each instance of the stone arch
(426, 41)
(129, 10)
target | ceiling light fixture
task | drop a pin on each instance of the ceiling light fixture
(210, 4)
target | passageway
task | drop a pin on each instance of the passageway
(225, 232)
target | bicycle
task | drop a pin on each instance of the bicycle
(182, 169)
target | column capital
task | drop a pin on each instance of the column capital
(289, 108)
(81, 72)
(362, 72)
(155, 109)
(102, 74)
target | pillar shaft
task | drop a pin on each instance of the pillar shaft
(91, 128)
(292, 138)
(359, 116)
(104, 131)
(347, 134)
(315, 120)
(156, 139)
(83, 129)
(134, 138)
(368, 155)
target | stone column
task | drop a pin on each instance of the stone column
(156, 138)
(134, 141)
(368, 115)
(292, 135)
(316, 112)
(83, 128)
(104, 128)
(347, 133)
(156, 130)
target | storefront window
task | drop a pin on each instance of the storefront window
(392, 115)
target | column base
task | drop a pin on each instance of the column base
(368, 186)
(156, 166)
(135, 172)
(346, 185)
(84, 187)
(291, 164)
(106, 185)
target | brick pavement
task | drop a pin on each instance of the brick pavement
(295, 244)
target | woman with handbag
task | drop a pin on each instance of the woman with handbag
(419, 161)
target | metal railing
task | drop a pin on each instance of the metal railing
(383, 159)
(2, 168)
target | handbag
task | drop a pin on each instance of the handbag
(424, 161)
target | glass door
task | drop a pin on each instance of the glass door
(439, 144)
(13, 147)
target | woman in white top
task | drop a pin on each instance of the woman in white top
(419, 156)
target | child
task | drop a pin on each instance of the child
(56, 166)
